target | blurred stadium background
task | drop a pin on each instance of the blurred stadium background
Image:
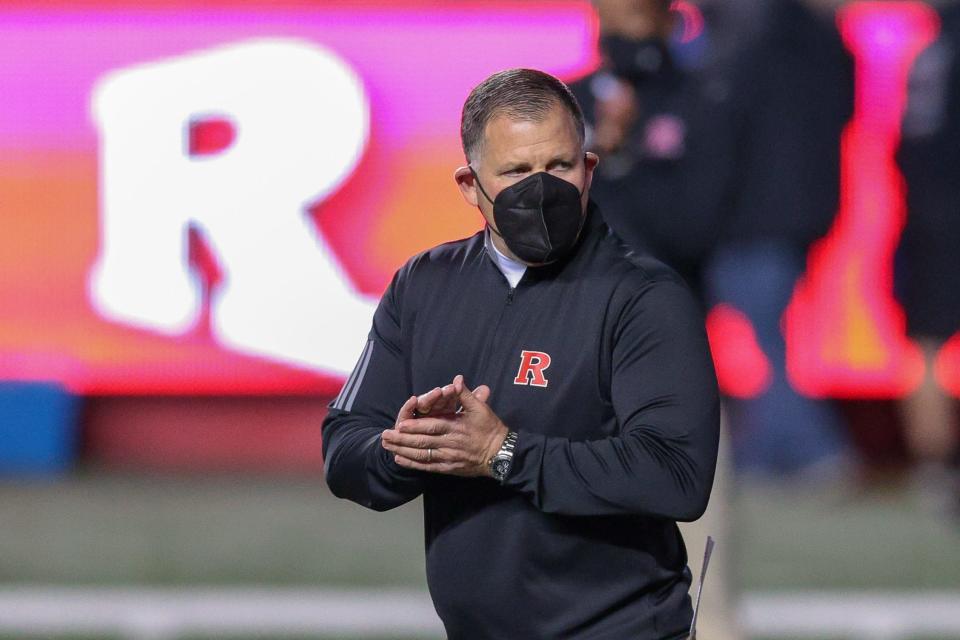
(201, 204)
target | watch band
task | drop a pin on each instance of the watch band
(504, 457)
(509, 444)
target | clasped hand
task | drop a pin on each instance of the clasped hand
(431, 434)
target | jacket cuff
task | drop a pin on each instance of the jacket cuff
(527, 461)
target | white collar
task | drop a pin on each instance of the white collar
(511, 269)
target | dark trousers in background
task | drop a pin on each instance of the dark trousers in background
(779, 432)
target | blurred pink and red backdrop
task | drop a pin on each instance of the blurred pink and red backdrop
(415, 62)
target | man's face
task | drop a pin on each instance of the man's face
(515, 149)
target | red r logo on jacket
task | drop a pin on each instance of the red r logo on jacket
(532, 366)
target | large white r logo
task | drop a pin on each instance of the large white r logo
(293, 122)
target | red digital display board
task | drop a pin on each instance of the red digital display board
(210, 200)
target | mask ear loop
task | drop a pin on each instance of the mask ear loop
(483, 191)
(477, 179)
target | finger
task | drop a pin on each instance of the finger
(482, 393)
(425, 456)
(411, 464)
(452, 394)
(429, 426)
(445, 402)
(435, 467)
(415, 441)
(426, 401)
(449, 397)
(406, 411)
(467, 399)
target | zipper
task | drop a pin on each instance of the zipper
(482, 369)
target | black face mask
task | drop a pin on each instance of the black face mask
(539, 218)
(635, 60)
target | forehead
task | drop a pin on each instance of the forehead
(510, 139)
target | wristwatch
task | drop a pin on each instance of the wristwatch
(501, 462)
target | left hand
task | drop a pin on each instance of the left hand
(458, 444)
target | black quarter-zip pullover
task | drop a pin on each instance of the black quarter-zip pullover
(600, 363)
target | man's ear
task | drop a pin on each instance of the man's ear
(590, 161)
(467, 184)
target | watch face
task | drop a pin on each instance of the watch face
(501, 467)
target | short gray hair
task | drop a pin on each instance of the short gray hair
(520, 94)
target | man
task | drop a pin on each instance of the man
(551, 497)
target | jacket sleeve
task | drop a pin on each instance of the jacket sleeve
(356, 466)
(664, 395)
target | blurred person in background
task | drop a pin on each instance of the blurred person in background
(655, 116)
(928, 269)
(793, 85)
(721, 139)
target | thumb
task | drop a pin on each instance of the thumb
(482, 393)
